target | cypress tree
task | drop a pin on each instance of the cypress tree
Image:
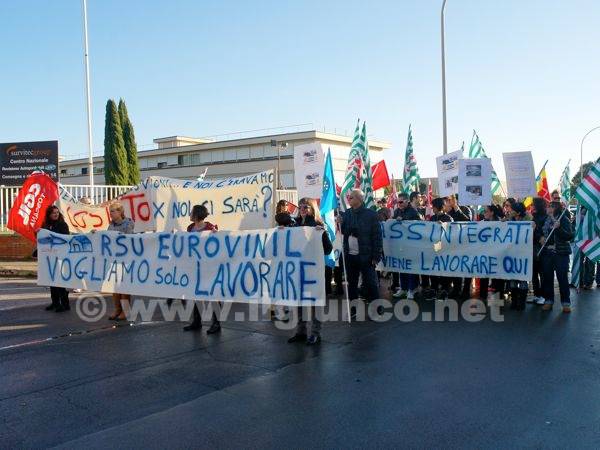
(130, 145)
(115, 158)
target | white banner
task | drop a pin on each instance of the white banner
(284, 267)
(474, 185)
(501, 250)
(164, 204)
(447, 169)
(309, 162)
(520, 175)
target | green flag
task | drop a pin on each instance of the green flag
(476, 151)
(410, 176)
(565, 184)
(353, 169)
(367, 173)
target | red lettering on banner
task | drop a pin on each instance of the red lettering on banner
(138, 206)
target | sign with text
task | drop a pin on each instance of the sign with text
(474, 186)
(19, 159)
(275, 266)
(309, 162)
(501, 250)
(520, 175)
(447, 169)
(164, 204)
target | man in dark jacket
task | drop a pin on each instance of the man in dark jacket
(405, 210)
(405, 284)
(439, 285)
(461, 289)
(363, 246)
(539, 218)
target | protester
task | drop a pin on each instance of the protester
(122, 224)
(555, 256)
(406, 210)
(309, 216)
(518, 288)
(198, 225)
(539, 218)
(461, 287)
(55, 222)
(508, 208)
(439, 285)
(384, 214)
(282, 216)
(363, 246)
(491, 213)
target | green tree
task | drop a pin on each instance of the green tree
(115, 158)
(130, 145)
(576, 180)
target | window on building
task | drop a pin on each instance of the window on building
(84, 171)
(160, 165)
(181, 160)
(63, 171)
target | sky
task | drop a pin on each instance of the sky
(524, 73)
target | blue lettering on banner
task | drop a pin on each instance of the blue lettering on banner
(304, 281)
(157, 209)
(288, 251)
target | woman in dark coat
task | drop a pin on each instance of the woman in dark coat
(55, 222)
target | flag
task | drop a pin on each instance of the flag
(358, 171)
(429, 206)
(393, 197)
(565, 185)
(367, 173)
(352, 180)
(380, 175)
(28, 211)
(328, 205)
(202, 175)
(411, 172)
(541, 187)
(588, 192)
(588, 233)
(476, 151)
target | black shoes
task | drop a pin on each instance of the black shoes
(195, 325)
(313, 340)
(50, 307)
(297, 338)
(214, 328)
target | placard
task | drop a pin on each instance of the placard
(474, 181)
(309, 162)
(447, 168)
(520, 175)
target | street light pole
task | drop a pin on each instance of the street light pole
(445, 131)
(88, 101)
(581, 151)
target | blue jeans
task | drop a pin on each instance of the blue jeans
(559, 264)
(408, 281)
(598, 274)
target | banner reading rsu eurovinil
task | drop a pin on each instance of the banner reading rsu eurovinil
(274, 266)
(501, 250)
(164, 204)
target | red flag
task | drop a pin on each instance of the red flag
(393, 198)
(380, 175)
(291, 208)
(27, 214)
(428, 208)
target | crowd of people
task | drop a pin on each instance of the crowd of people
(554, 231)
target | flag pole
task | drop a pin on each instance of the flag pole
(552, 231)
(345, 273)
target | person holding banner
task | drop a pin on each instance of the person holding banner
(518, 288)
(439, 285)
(555, 255)
(55, 222)
(363, 246)
(406, 211)
(461, 287)
(199, 224)
(309, 216)
(539, 218)
(122, 224)
(491, 213)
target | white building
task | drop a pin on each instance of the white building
(186, 158)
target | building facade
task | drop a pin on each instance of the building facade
(187, 158)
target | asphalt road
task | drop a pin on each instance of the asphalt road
(531, 381)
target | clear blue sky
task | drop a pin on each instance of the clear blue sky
(524, 74)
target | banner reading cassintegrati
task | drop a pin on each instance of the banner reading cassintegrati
(501, 250)
(274, 266)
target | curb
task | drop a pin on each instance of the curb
(18, 273)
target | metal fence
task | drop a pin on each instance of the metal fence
(99, 194)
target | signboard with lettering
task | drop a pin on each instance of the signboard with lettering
(19, 159)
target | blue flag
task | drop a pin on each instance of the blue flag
(328, 205)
